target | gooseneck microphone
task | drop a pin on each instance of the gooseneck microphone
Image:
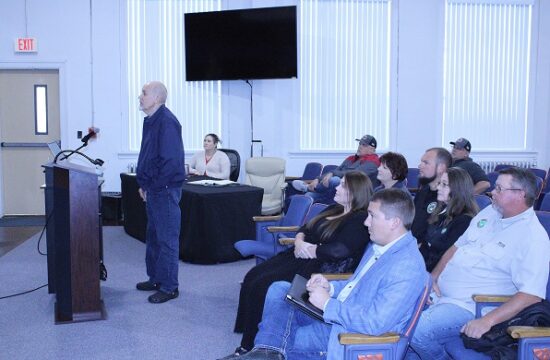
(70, 152)
(92, 132)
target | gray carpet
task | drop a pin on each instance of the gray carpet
(31, 220)
(197, 325)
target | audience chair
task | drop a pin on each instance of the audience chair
(492, 176)
(266, 244)
(235, 161)
(532, 341)
(328, 168)
(482, 201)
(539, 172)
(544, 218)
(314, 210)
(269, 174)
(390, 346)
(311, 171)
(502, 167)
(545, 203)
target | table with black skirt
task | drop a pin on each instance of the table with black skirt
(213, 218)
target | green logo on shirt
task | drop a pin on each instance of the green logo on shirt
(481, 223)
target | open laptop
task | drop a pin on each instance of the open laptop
(54, 148)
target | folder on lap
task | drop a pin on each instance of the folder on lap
(298, 295)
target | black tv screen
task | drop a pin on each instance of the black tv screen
(257, 43)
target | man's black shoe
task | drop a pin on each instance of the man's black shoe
(161, 296)
(239, 351)
(147, 286)
(259, 354)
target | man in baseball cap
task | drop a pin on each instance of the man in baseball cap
(365, 160)
(461, 158)
(367, 140)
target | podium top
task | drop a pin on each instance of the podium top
(71, 166)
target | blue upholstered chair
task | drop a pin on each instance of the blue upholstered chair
(388, 346)
(266, 244)
(311, 171)
(288, 240)
(492, 176)
(483, 201)
(533, 342)
(328, 168)
(545, 203)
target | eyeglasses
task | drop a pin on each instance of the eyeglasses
(499, 189)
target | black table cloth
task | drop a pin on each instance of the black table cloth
(213, 218)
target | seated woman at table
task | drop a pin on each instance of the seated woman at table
(392, 172)
(210, 162)
(456, 206)
(333, 241)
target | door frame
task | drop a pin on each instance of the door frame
(60, 66)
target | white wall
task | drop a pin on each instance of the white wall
(64, 42)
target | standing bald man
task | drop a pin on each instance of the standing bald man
(160, 175)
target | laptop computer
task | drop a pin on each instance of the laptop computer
(298, 295)
(54, 148)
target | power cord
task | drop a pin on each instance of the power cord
(23, 293)
(41, 253)
(42, 234)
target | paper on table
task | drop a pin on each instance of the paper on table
(212, 182)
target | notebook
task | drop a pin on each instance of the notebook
(298, 295)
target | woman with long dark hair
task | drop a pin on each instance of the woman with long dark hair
(456, 206)
(333, 241)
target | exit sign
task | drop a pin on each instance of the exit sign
(26, 45)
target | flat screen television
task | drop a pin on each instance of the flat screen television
(258, 43)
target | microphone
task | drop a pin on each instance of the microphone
(92, 133)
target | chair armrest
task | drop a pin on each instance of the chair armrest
(491, 298)
(287, 241)
(354, 339)
(267, 218)
(520, 332)
(341, 276)
(274, 229)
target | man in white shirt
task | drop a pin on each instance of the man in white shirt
(504, 251)
(378, 298)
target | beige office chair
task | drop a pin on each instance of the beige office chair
(269, 174)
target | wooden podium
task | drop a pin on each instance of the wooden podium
(72, 196)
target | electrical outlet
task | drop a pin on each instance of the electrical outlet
(79, 134)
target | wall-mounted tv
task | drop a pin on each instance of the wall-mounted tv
(258, 43)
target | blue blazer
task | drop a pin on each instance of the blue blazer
(384, 298)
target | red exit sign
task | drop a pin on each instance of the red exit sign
(26, 45)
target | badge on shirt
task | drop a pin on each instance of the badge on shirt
(444, 230)
(431, 207)
(481, 223)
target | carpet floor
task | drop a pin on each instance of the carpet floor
(197, 325)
